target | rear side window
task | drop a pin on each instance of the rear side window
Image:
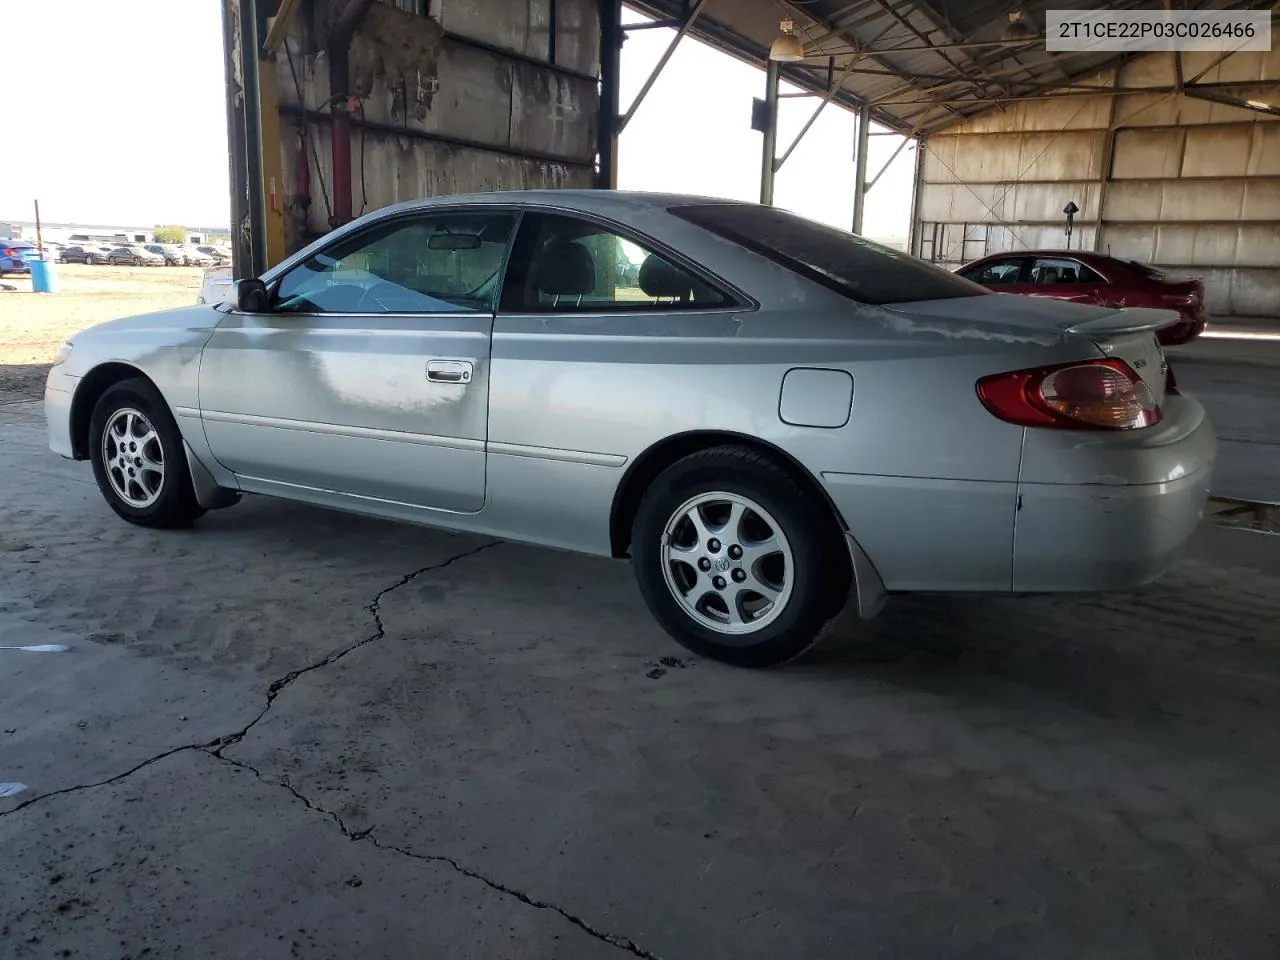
(1047, 271)
(844, 262)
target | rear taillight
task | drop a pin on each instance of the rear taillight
(1093, 395)
(10, 252)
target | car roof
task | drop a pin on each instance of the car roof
(1082, 255)
(598, 201)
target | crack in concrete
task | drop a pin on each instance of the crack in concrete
(215, 748)
(375, 609)
(356, 836)
(274, 690)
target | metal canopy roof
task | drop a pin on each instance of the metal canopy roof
(921, 65)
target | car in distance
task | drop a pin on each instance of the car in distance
(135, 254)
(217, 254)
(1095, 278)
(172, 253)
(16, 256)
(777, 418)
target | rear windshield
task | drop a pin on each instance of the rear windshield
(844, 262)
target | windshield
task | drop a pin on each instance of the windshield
(845, 262)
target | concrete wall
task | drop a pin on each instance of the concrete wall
(454, 96)
(1182, 183)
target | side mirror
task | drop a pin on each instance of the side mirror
(248, 296)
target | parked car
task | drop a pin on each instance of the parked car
(218, 255)
(89, 253)
(472, 363)
(213, 289)
(172, 253)
(194, 258)
(135, 254)
(16, 256)
(1096, 279)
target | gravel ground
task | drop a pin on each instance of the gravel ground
(32, 326)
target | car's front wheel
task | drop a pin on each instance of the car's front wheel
(138, 459)
(737, 560)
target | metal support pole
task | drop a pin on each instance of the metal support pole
(914, 233)
(610, 81)
(860, 169)
(768, 162)
(662, 62)
(340, 134)
(253, 138)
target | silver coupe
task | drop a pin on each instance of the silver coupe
(768, 416)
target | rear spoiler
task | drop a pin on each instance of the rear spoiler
(1127, 320)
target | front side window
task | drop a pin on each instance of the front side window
(844, 262)
(432, 263)
(566, 265)
(995, 273)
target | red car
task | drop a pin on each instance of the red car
(1095, 278)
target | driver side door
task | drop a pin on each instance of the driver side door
(367, 382)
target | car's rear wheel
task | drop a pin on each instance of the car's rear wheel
(737, 560)
(137, 261)
(89, 260)
(138, 459)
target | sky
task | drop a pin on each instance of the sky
(125, 123)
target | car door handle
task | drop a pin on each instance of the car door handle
(449, 371)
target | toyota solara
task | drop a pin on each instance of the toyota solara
(769, 417)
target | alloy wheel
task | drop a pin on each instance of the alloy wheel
(727, 563)
(133, 457)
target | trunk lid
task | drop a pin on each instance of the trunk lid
(1127, 334)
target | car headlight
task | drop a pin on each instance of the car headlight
(62, 353)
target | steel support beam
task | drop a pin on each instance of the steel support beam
(768, 149)
(279, 24)
(885, 166)
(610, 81)
(338, 51)
(913, 231)
(860, 168)
(661, 64)
(813, 117)
(244, 133)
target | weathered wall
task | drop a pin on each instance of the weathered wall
(464, 97)
(1182, 183)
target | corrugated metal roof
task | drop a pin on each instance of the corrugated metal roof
(922, 65)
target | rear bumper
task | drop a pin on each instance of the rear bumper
(1091, 511)
(1136, 502)
(1184, 331)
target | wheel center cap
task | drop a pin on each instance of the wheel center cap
(720, 563)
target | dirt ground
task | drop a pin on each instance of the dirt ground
(33, 325)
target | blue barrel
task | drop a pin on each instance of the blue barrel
(44, 278)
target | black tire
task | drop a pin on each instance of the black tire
(821, 573)
(137, 261)
(175, 503)
(88, 260)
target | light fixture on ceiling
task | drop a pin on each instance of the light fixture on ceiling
(1018, 29)
(786, 47)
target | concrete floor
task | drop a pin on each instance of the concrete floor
(292, 733)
